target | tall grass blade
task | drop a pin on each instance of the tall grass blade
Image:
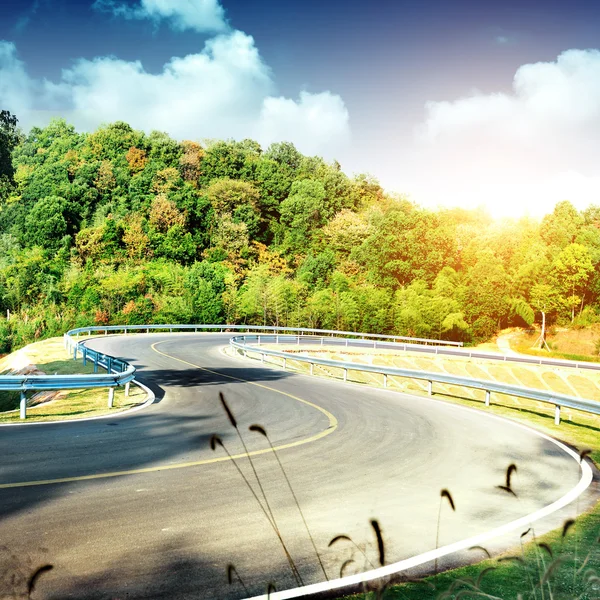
(444, 493)
(380, 543)
(33, 579)
(262, 431)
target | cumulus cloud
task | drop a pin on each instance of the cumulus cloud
(224, 91)
(203, 16)
(317, 122)
(522, 150)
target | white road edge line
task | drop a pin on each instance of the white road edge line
(420, 559)
(122, 413)
(477, 540)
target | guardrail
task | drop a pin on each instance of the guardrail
(270, 328)
(244, 344)
(462, 352)
(119, 372)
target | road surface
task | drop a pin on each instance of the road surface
(149, 510)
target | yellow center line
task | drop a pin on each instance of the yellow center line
(333, 424)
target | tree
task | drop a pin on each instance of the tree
(8, 140)
(46, 223)
(302, 212)
(572, 269)
(559, 229)
(486, 294)
(239, 199)
(544, 299)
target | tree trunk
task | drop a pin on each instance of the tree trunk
(543, 334)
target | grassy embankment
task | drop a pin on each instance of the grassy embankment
(572, 344)
(535, 574)
(50, 357)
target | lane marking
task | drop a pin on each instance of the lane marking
(150, 398)
(570, 496)
(333, 424)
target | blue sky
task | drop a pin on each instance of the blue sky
(452, 102)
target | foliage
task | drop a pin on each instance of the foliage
(122, 226)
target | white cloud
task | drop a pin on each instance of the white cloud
(317, 123)
(516, 152)
(224, 91)
(203, 16)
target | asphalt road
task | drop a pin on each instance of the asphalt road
(165, 514)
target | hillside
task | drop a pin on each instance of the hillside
(118, 226)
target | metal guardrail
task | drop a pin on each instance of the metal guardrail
(244, 344)
(120, 372)
(270, 328)
(465, 352)
(549, 362)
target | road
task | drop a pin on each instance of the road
(151, 511)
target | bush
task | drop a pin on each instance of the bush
(5, 337)
(483, 329)
(587, 317)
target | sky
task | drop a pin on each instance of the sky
(452, 103)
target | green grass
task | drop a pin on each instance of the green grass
(566, 578)
(50, 357)
(79, 404)
(521, 578)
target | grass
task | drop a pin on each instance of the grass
(50, 357)
(570, 344)
(79, 404)
(561, 565)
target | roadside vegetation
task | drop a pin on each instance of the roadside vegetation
(561, 565)
(118, 226)
(572, 343)
(50, 357)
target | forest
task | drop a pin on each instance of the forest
(123, 227)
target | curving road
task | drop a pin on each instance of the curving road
(145, 508)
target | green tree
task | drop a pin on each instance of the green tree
(8, 140)
(572, 269)
(302, 212)
(46, 223)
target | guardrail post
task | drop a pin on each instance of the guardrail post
(345, 374)
(321, 340)
(487, 397)
(23, 406)
(312, 368)
(384, 380)
(84, 356)
(375, 344)
(106, 332)
(111, 397)
(430, 388)
(258, 338)
(298, 340)
(127, 386)
(75, 352)
(96, 363)
(262, 357)
(109, 364)
(284, 362)
(277, 338)
(557, 415)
